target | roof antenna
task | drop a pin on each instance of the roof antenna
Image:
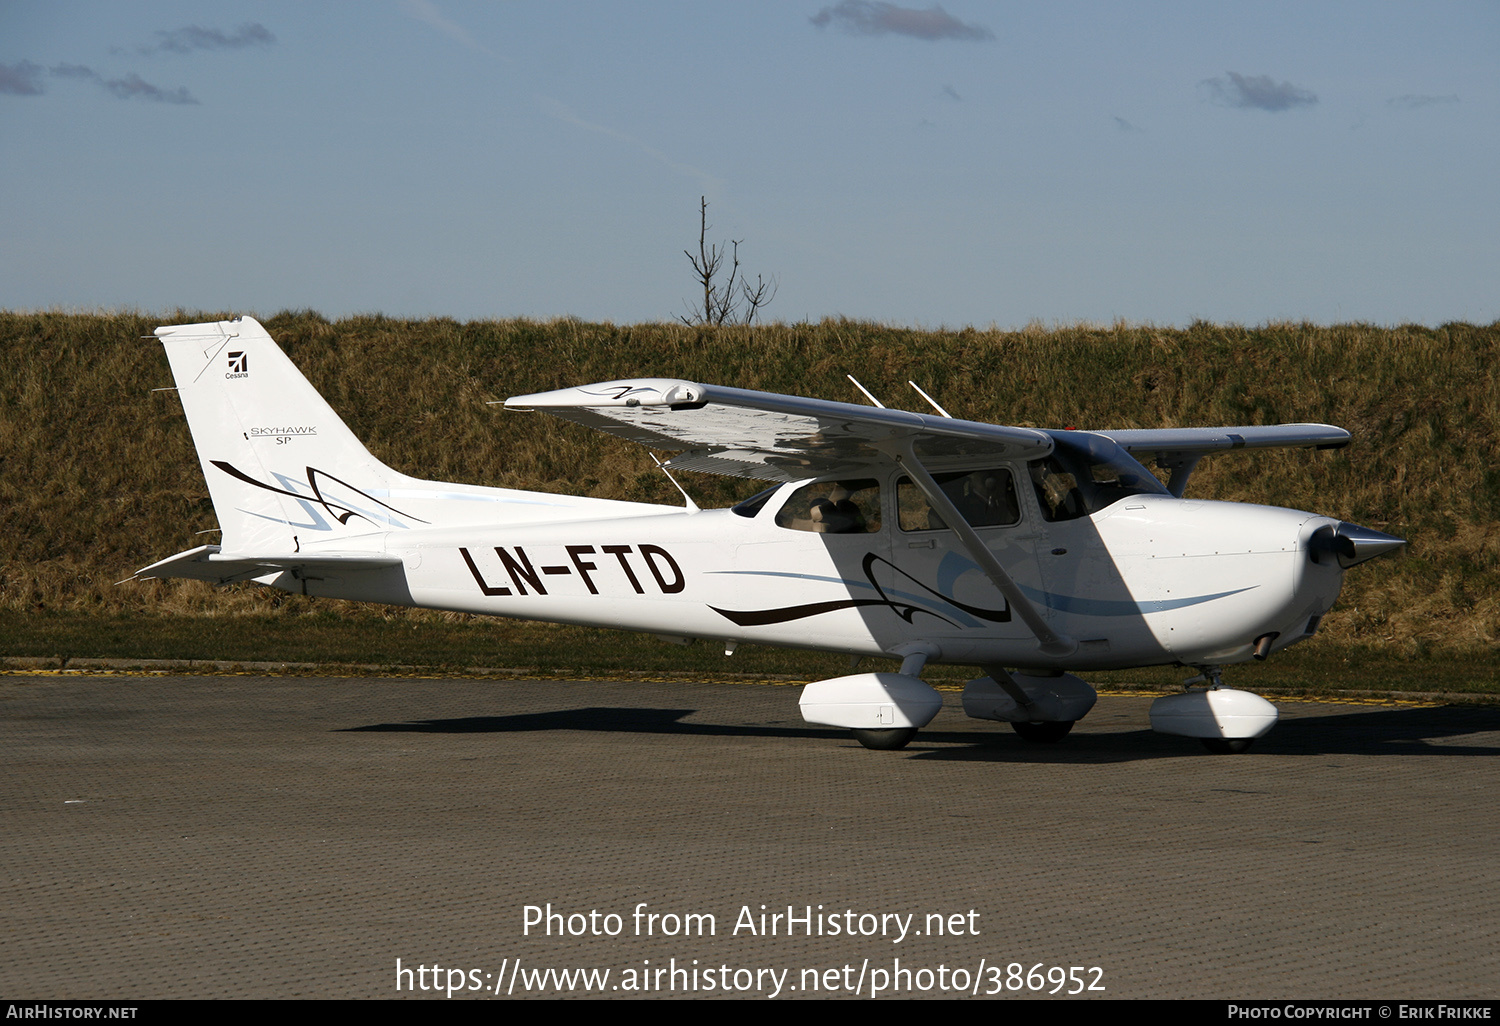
(691, 505)
(865, 390)
(930, 400)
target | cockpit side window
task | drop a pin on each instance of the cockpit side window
(986, 498)
(1056, 490)
(833, 507)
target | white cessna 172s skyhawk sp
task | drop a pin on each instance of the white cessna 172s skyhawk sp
(923, 538)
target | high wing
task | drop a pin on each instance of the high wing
(763, 435)
(1180, 449)
(1203, 441)
(742, 433)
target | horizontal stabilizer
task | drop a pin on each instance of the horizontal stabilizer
(208, 563)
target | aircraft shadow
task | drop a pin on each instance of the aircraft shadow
(1390, 732)
(598, 718)
(1403, 732)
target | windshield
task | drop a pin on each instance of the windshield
(1086, 473)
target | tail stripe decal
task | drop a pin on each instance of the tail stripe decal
(340, 513)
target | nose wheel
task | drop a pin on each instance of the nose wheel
(1043, 731)
(1227, 745)
(886, 740)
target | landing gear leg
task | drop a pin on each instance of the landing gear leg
(1213, 677)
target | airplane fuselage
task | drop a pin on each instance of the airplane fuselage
(1150, 579)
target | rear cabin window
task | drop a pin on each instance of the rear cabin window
(753, 505)
(986, 498)
(833, 507)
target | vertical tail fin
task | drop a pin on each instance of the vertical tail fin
(282, 467)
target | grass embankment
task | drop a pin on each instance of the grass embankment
(98, 475)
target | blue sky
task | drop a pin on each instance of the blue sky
(973, 163)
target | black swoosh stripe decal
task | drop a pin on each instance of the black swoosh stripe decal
(905, 610)
(313, 473)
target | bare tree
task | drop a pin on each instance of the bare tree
(733, 300)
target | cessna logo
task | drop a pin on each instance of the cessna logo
(239, 366)
(524, 575)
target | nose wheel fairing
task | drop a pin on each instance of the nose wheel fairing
(1023, 698)
(1214, 714)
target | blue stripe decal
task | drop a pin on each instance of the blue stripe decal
(800, 577)
(1076, 605)
(1120, 607)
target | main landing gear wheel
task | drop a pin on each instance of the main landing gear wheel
(885, 740)
(1227, 745)
(1042, 731)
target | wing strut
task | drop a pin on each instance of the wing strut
(1053, 644)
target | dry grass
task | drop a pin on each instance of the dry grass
(98, 475)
